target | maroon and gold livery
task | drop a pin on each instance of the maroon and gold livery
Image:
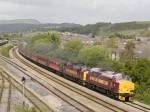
(112, 83)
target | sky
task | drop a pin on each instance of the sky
(76, 11)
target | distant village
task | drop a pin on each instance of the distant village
(142, 44)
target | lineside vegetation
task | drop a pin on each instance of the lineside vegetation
(25, 109)
(5, 50)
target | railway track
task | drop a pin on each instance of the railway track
(5, 97)
(38, 103)
(2, 87)
(84, 94)
(9, 97)
(79, 106)
(138, 106)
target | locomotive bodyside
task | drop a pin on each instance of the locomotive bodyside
(106, 82)
(72, 71)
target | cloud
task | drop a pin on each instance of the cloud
(77, 11)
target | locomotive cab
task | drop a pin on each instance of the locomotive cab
(126, 89)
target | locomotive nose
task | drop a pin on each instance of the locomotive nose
(126, 89)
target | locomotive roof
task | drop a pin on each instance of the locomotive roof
(109, 74)
(76, 65)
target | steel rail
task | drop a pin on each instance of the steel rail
(35, 100)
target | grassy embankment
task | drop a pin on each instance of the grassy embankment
(25, 109)
(143, 97)
(4, 50)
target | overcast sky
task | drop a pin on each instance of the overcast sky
(76, 11)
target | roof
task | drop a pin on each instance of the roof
(109, 74)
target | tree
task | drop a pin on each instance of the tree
(73, 46)
(54, 38)
(111, 43)
(129, 49)
(43, 43)
(92, 56)
(117, 66)
(143, 69)
(128, 53)
(138, 70)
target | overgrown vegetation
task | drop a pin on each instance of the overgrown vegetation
(92, 56)
(139, 71)
(121, 35)
(49, 44)
(5, 50)
(25, 109)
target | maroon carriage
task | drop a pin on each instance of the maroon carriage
(42, 60)
(55, 64)
(34, 57)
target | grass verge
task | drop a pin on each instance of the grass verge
(5, 50)
(143, 97)
(25, 109)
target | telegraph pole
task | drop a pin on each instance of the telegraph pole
(23, 92)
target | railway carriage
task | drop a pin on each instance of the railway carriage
(55, 64)
(43, 60)
(34, 57)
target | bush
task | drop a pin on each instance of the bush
(92, 56)
(142, 93)
(73, 46)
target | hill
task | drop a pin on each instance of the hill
(20, 21)
(7, 28)
(23, 25)
(101, 28)
(106, 28)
